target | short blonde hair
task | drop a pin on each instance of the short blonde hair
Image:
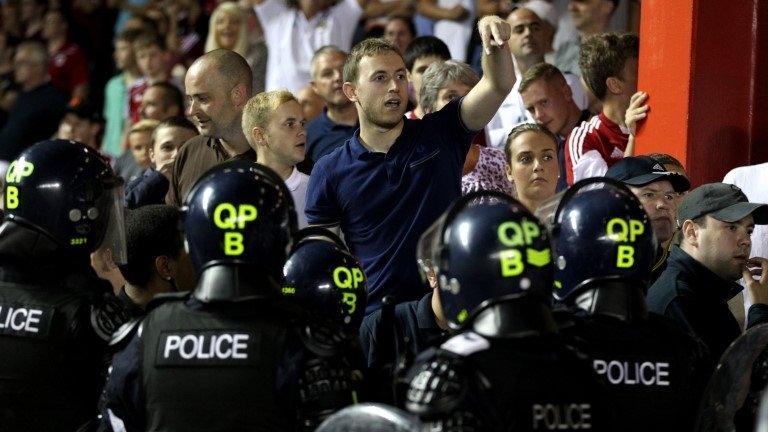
(232, 9)
(259, 108)
(145, 125)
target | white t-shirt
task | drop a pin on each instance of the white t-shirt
(753, 180)
(456, 34)
(297, 184)
(512, 111)
(292, 39)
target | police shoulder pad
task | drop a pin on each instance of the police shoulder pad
(125, 332)
(436, 385)
(159, 299)
(466, 343)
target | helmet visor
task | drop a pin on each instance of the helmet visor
(114, 235)
(428, 251)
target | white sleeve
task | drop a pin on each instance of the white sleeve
(578, 94)
(590, 164)
(269, 13)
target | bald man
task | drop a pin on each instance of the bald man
(218, 85)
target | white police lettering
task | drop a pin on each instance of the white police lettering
(212, 346)
(20, 319)
(644, 373)
(569, 416)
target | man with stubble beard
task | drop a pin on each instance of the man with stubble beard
(218, 85)
(394, 177)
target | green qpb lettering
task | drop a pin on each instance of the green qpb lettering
(625, 256)
(511, 262)
(345, 278)
(17, 170)
(350, 299)
(233, 243)
(226, 216)
(11, 197)
(619, 230)
(512, 234)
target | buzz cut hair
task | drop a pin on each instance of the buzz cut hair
(603, 56)
(545, 71)
(367, 48)
(325, 50)
(231, 67)
(259, 108)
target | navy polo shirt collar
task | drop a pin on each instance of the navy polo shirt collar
(358, 149)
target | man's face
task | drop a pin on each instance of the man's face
(123, 55)
(450, 92)
(183, 272)
(153, 105)
(26, 68)
(139, 143)
(528, 36)
(167, 142)
(150, 61)
(329, 78)
(659, 201)
(724, 247)
(419, 66)
(586, 13)
(227, 28)
(75, 128)
(211, 104)
(285, 133)
(549, 102)
(398, 34)
(382, 89)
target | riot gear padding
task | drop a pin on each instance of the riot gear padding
(371, 418)
(327, 282)
(239, 224)
(487, 245)
(67, 191)
(600, 232)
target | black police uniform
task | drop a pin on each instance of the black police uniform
(697, 300)
(56, 315)
(655, 374)
(507, 369)
(329, 287)
(225, 357)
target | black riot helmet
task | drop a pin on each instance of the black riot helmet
(369, 417)
(326, 281)
(68, 192)
(239, 224)
(600, 233)
(486, 246)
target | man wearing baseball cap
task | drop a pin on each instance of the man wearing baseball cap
(657, 189)
(716, 221)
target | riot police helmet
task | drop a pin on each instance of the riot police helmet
(326, 281)
(68, 192)
(485, 247)
(600, 233)
(239, 223)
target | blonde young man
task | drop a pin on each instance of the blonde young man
(274, 125)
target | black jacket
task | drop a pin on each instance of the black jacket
(697, 299)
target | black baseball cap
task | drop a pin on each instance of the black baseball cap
(642, 170)
(724, 202)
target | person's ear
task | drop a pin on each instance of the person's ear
(239, 95)
(349, 91)
(164, 267)
(508, 169)
(259, 136)
(614, 85)
(690, 232)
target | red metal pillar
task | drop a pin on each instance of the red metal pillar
(704, 64)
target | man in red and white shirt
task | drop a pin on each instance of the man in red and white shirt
(609, 66)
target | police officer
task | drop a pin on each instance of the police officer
(328, 284)
(507, 368)
(604, 248)
(220, 357)
(62, 202)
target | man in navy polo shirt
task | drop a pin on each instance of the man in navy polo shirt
(338, 120)
(394, 177)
